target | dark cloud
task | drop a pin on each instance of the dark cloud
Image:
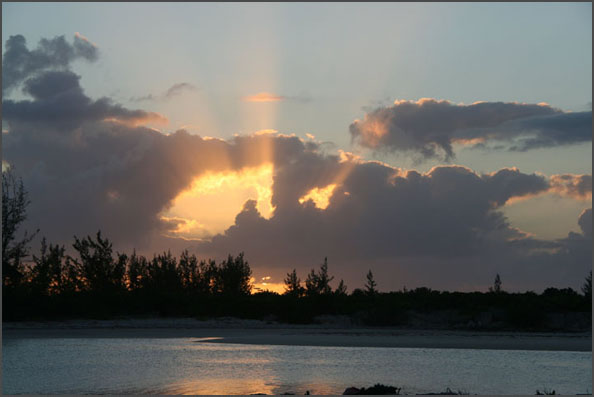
(548, 131)
(429, 127)
(59, 102)
(384, 211)
(173, 91)
(20, 63)
(120, 178)
(444, 227)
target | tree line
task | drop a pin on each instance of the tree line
(96, 281)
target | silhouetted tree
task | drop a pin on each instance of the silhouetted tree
(496, 285)
(14, 206)
(208, 276)
(70, 279)
(587, 287)
(53, 272)
(189, 270)
(319, 283)
(370, 284)
(234, 277)
(137, 271)
(99, 270)
(197, 277)
(47, 269)
(311, 283)
(163, 274)
(341, 290)
(293, 284)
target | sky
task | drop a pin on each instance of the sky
(437, 144)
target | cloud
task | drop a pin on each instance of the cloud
(263, 97)
(121, 178)
(429, 128)
(268, 97)
(443, 211)
(20, 63)
(585, 222)
(179, 88)
(173, 91)
(441, 226)
(572, 185)
(268, 131)
(59, 102)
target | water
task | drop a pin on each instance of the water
(186, 366)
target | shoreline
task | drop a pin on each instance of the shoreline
(235, 331)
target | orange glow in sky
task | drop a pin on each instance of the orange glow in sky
(263, 97)
(267, 283)
(320, 197)
(213, 201)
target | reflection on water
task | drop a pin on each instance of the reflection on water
(186, 366)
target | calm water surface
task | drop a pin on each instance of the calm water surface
(186, 366)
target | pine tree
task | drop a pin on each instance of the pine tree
(496, 285)
(319, 283)
(14, 207)
(370, 284)
(293, 284)
(341, 289)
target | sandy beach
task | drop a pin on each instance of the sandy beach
(263, 333)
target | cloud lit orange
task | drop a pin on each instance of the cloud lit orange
(263, 97)
(147, 118)
(210, 205)
(319, 196)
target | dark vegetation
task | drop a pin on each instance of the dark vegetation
(375, 390)
(96, 282)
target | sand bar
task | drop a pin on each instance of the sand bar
(262, 333)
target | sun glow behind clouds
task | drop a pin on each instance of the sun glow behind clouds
(267, 284)
(210, 205)
(319, 196)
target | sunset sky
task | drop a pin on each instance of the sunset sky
(436, 144)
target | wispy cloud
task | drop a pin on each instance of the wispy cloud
(173, 91)
(264, 97)
(270, 97)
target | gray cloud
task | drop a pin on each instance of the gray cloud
(444, 227)
(585, 222)
(448, 211)
(179, 88)
(429, 128)
(173, 91)
(572, 185)
(120, 178)
(20, 63)
(59, 102)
